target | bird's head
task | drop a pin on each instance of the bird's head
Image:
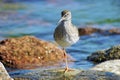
(65, 15)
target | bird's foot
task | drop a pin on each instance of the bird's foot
(68, 69)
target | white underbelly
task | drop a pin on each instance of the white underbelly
(67, 40)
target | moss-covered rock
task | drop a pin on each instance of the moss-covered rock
(75, 74)
(96, 75)
(103, 55)
(108, 70)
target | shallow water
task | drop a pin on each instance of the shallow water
(39, 18)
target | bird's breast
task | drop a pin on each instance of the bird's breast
(66, 35)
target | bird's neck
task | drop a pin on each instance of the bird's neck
(66, 22)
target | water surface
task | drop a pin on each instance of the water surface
(39, 18)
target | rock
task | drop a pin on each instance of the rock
(51, 74)
(96, 75)
(75, 74)
(29, 52)
(3, 73)
(109, 70)
(112, 66)
(114, 31)
(90, 30)
(103, 55)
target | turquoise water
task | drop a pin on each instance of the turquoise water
(39, 18)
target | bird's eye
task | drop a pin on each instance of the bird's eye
(66, 15)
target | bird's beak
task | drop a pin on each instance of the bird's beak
(61, 20)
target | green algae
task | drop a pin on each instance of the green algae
(11, 6)
(73, 74)
(108, 21)
(103, 55)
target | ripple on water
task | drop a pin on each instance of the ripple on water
(40, 18)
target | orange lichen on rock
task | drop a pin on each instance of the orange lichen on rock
(29, 52)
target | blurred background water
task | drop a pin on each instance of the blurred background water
(39, 18)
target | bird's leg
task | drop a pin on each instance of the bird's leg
(66, 61)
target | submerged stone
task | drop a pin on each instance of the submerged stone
(75, 74)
